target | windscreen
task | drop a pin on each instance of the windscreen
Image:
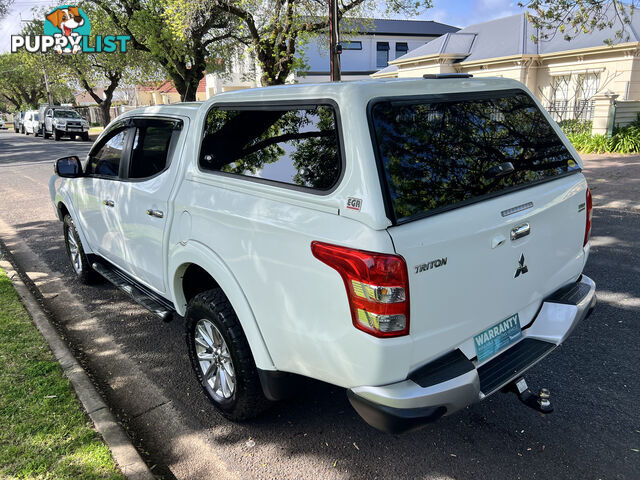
(439, 153)
(67, 114)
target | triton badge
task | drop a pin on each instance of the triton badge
(432, 264)
(522, 267)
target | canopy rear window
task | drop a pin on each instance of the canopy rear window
(438, 153)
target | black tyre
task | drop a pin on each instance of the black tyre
(56, 135)
(85, 136)
(45, 134)
(75, 252)
(221, 358)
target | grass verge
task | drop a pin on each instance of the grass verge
(44, 431)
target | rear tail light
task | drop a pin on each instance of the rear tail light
(587, 228)
(377, 287)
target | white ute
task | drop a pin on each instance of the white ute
(418, 242)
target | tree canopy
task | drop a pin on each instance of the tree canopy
(4, 7)
(274, 30)
(183, 57)
(571, 18)
(100, 74)
(22, 84)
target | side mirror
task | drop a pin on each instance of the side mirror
(68, 167)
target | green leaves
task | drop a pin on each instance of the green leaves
(624, 139)
(571, 18)
(274, 31)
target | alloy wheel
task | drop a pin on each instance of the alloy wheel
(74, 252)
(214, 359)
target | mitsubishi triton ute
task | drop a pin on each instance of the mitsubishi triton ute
(419, 242)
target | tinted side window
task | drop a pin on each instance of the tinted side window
(106, 161)
(150, 148)
(297, 146)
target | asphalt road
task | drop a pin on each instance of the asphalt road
(594, 432)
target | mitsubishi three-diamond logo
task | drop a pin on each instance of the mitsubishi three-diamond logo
(522, 268)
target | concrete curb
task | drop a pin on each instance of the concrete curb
(123, 451)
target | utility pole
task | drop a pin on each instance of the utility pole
(335, 49)
(46, 84)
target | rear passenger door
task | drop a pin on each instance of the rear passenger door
(148, 179)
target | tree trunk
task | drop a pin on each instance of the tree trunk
(186, 80)
(105, 111)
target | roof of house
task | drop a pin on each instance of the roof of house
(381, 26)
(83, 98)
(168, 87)
(512, 36)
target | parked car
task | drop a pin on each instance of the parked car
(419, 242)
(31, 123)
(2, 125)
(63, 122)
(18, 117)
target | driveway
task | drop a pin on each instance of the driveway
(141, 366)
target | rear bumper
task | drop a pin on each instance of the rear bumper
(453, 381)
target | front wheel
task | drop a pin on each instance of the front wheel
(85, 136)
(221, 357)
(56, 135)
(75, 252)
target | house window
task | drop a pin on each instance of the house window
(352, 45)
(588, 84)
(587, 87)
(559, 105)
(382, 54)
(401, 49)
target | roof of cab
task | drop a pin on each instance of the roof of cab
(363, 89)
(184, 108)
(357, 91)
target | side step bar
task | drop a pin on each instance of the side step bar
(141, 295)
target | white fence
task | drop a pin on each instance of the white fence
(626, 112)
(93, 114)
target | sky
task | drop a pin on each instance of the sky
(462, 13)
(459, 13)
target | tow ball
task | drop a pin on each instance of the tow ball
(539, 402)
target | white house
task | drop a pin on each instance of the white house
(369, 46)
(372, 45)
(584, 79)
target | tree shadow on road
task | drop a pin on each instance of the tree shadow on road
(317, 434)
(614, 180)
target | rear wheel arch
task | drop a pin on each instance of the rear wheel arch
(197, 275)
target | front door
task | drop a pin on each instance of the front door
(98, 196)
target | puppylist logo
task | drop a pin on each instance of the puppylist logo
(67, 29)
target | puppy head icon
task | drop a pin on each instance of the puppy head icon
(66, 19)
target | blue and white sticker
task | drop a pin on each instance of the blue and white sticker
(494, 339)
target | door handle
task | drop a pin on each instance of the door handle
(520, 231)
(108, 203)
(155, 213)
